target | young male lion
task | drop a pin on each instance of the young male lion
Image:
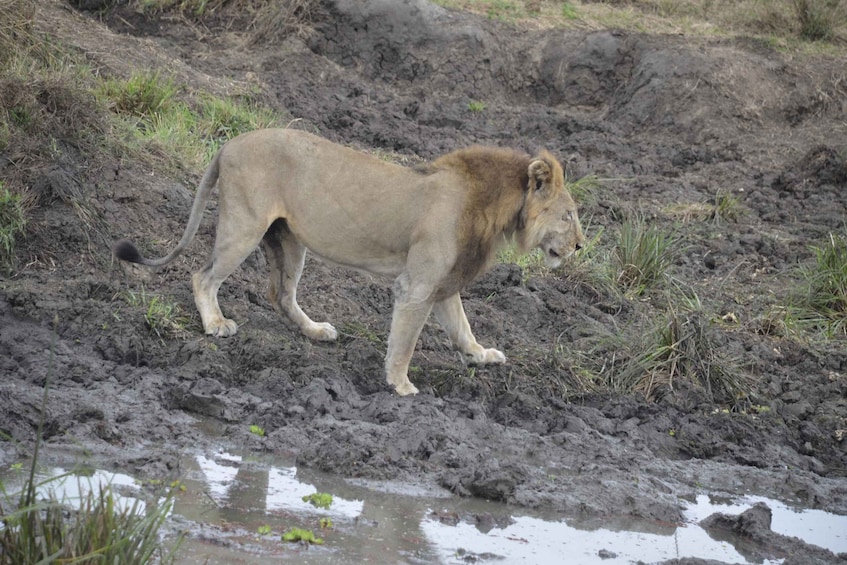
(433, 229)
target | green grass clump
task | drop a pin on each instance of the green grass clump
(531, 262)
(13, 216)
(182, 131)
(642, 256)
(822, 302)
(143, 94)
(319, 500)
(163, 316)
(679, 349)
(299, 534)
(476, 106)
(95, 529)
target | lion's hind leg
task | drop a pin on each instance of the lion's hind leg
(451, 315)
(231, 248)
(286, 257)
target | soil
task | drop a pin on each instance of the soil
(670, 121)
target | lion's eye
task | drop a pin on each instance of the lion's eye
(569, 215)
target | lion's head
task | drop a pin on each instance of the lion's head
(549, 218)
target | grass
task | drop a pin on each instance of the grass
(13, 218)
(803, 24)
(819, 19)
(358, 330)
(93, 529)
(723, 208)
(270, 21)
(677, 349)
(164, 317)
(642, 256)
(183, 132)
(531, 262)
(476, 106)
(727, 208)
(821, 303)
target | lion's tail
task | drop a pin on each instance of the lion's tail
(127, 251)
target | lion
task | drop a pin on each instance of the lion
(432, 228)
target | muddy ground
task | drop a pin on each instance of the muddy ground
(670, 121)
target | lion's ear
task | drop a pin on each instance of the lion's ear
(539, 174)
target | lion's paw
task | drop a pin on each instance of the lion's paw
(321, 332)
(489, 356)
(405, 389)
(224, 327)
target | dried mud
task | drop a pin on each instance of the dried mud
(671, 120)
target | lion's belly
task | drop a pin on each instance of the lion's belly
(382, 266)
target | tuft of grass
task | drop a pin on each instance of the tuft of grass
(677, 349)
(642, 256)
(589, 267)
(505, 10)
(818, 19)
(182, 133)
(93, 529)
(358, 330)
(13, 216)
(569, 11)
(727, 208)
(476, 106)
(531, 262)
(257, 430)
(144, 94)
(164, 317)
(822, 302)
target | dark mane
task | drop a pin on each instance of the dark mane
(496, 182)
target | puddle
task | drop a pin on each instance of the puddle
(229, 499)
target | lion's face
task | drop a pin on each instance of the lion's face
(550, 221)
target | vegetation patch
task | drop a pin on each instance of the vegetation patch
(163, 316)
(788, 23)
(821, 303)
(13, 216)
(642, 256)
(301, 535)
(319, 500)
(679, 349)
(184, 133)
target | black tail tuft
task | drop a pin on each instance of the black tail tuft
(125, 250)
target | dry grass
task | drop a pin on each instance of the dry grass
(269, 21)
(785, 22)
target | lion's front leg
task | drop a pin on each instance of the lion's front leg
(451, 315)
(411, 309)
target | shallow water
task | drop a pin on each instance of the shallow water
(228, 498)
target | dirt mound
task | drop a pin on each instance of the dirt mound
(674, 123)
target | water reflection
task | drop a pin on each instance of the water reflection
(391, 527)
(228, 498)
(817, 527)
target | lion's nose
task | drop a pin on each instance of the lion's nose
(578, 246)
